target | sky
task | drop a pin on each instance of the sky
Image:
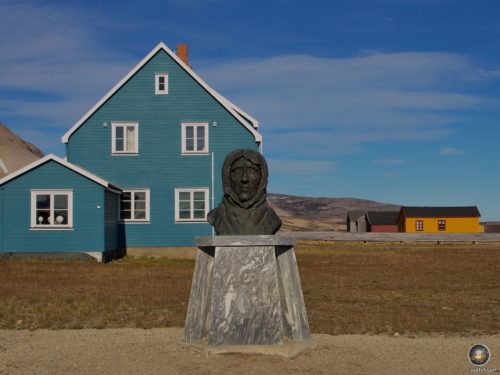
(390, 100)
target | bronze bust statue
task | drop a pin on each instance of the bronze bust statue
(244, 209)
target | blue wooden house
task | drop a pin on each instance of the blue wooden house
(142, 166)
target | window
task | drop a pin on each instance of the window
(125, 138)
(441, 225)
(134, 205)
(191, 204)
(51, 209)
(419, 225)
(195, 138)
(161, 83)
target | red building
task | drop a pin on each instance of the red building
(379, 221)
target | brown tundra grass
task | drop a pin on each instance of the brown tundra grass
(348, 288)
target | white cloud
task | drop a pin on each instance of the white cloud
(323, 143)
(391, 174)
(301, 167)
(52, 51)
(450, 151)
(389, 161)
(343, 104)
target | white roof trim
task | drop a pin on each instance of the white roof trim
(253, 121)
(64, 163)
(238, 113)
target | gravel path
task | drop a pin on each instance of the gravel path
(162, 351)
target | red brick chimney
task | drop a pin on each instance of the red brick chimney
(182, 53)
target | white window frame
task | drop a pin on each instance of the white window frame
(51, 192)
(157, 84)
(191, 191)
(132, 191)
(441, 225)
(115, 125)
(184, 125)
(419, 225)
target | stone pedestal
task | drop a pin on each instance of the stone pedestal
(246, 291)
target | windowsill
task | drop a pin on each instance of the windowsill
(191, 222)
(134, 221)
(52, 228)
(124, 154)
(195, 153)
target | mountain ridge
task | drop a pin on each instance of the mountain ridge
(300, 213)
(15, 152)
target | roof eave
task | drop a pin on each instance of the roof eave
(73, 167)
(25, 169)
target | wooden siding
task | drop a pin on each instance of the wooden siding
(453, 225)
(384, 228)
(351, 226)
(88, 220)
(159, 165)
(361, 226)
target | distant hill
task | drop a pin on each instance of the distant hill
(15, 152)
(307, 213)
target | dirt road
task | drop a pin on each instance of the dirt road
(162, 351)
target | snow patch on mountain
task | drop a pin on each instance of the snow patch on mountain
(3, 167)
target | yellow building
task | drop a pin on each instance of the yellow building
(440, 220)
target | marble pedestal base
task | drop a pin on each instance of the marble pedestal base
(246, 291)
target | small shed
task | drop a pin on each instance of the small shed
(356, 221)
(382, 221)
(54, 206)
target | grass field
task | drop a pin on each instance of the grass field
(348, 288)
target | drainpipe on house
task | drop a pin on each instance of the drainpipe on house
(213, 188)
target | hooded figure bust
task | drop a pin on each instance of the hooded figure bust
(244, 209)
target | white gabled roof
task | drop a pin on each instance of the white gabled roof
(64, 163)
(245, 119)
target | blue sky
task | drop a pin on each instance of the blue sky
(392, 100)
